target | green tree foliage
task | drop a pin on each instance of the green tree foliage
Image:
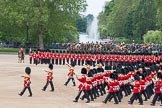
(81, 23)
(103, 18)
(117, 18)
(144, 17)
(130, 18)
(153, 37)
(52, 19)
(159, 13)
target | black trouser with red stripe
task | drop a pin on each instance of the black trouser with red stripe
(136, 96)
(109, 96)
(47, 83)
(85, 95)
(89, 92)
(24, 89)
(70, 78)
(144, 94)
(156, 96)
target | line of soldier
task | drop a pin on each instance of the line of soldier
(142, 79)
(80, 59)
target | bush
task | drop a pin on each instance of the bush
(121, 40)
(153, 37)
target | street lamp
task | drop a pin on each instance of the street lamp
(27, 36)
(27, 31)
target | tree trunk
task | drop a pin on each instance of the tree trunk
(40, 36)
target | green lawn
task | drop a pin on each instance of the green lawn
(9, 50)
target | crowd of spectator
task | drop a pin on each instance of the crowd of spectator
(110, 48)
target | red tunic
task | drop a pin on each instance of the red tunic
(27, 81)
(116, 85)
(49, 76)
(88, 84)
(158, 87)
(136, 88)
(71, 74)
(111, 85)
(142, 83)
(31, 55)
(82, 81)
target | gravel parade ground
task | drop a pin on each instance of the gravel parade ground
(11, 84)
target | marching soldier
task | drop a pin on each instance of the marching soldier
(49, 78)
(70, 75)
(143, 86)
(27, 82)
(136, 91)
(88, 85)
(158, 91)
(81, 86)
(111, 93)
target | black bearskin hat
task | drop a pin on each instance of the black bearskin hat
(90, 73)
(160, 76)
(95, 70)
(160, 67)
(73, 64)
(27, 70)
(122, 71)
(50, 66)
(83, 71)
(152, 68)
(136, 77)
(100, 70)
(142, 76)
(88, 62)
(115, 75)
(112, 76)
(160, 60)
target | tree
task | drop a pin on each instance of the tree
(144, 17)
(103, 16)
(129, 18)
(81, 23)
(158, 4)
(117, 18)
(54, 17)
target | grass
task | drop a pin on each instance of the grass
(9, 50)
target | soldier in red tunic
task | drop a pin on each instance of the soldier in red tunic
(30, 57)
(158, 91)
(56, 57)
(81, 86)
(63, 58)
(94, 84)
(143, 86)
(27, 82)
(49, 78)
(88, 85)
(53, 57)
(70, 75)
(111, 93)
(136, 91)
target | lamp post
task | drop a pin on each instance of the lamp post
(27, 36)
